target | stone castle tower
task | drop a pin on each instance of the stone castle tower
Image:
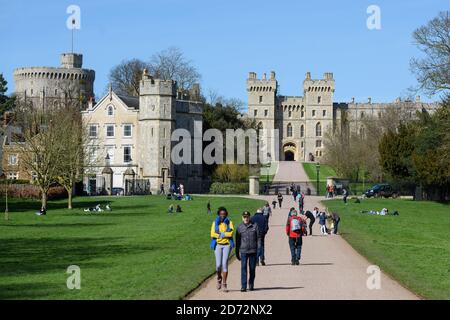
(301, 120)
(45, 86)
(156, 121)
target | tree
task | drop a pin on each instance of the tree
(171, 64)
(74, 143)
(126, 76)
(433, 70)
(6, 102)
(38, 135)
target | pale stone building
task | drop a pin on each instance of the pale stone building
(302, 121)
(135, 133)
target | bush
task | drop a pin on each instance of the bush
(231, 173)
(229, 188)
(29, 191)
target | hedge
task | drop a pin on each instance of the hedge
(28, 191)
(229, 188)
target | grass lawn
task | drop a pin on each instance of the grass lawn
(324, 172)
(136, 251)
(413, 247)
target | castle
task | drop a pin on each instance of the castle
(302, 121)
(129, 137)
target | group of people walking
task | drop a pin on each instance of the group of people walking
(248, 239)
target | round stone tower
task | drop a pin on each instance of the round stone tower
(44, 86)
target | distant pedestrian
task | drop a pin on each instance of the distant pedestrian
(208, 208)
(222, 243)
(344, 195)
(280, 199)
(336, 220)
(312, 219)
(267, 211)
(274, 203)
(322, 222)
(294, 231)
(295, 194)
(263, 226)
(248, 240)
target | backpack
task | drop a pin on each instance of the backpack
(295, 225)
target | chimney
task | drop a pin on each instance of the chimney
(91, 102)
(308, 75)
(252, 75)
(353, 100)
(264, 76)
(369, 100)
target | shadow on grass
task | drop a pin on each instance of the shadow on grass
(57, 225)
(22, 256)
(33, 290)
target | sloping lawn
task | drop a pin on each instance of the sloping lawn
(136, 251)
(413, 247)
(324, 172)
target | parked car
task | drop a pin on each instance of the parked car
(381, 190)
(117, 191)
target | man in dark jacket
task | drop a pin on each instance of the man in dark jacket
(248, 240)
(312, 219)
(263, 226)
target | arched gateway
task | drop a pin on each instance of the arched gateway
(290, 152)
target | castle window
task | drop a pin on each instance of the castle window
(110, 130)
(290, 113)
(318, 129)
(266, 113)
(260, 99)
(362, 114)
(318, 99)
(93, 131)
(127, 154)
(151, 132)
(289, 130)
(255, 113)
(110, 110)
(56, 92)
(127, 130)
(318, 143)
(302, 144)
(314, 113)
(164, 152)
(324, 113)
(12, 160)
(302, 131)
(13, 175)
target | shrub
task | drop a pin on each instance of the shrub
(229, 188)
(29, 191)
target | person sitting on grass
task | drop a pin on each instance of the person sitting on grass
(42, 212)
(179, 208)
(170, 210)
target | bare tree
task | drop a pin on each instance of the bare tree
(433, 39)
(74, 142)
(126, 76)
(172, 64)
(37, 137)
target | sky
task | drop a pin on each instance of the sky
(227, 39)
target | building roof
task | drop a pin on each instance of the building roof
(131, 102)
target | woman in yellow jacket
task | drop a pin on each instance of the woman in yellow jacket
(222, 243)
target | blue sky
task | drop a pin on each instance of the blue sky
(227, 39)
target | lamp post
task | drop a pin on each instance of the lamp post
(269, 163)
(318, 172)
